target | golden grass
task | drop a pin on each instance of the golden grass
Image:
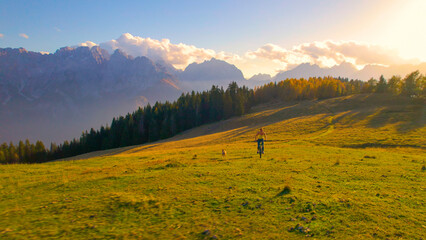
(353, 167)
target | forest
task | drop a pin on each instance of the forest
(164, 120)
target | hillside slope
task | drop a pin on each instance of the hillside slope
(353, 166)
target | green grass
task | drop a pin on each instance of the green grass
(344, 168)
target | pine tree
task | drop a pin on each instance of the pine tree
(13, 155)
(21, 152)
(381, 85)
(27, 151)
(40, 152)
(2, 157)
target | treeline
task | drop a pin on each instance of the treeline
(164, 120)
(413, 85)
(23, 152)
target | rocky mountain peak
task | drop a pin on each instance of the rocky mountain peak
(212, 69)
(120, 55)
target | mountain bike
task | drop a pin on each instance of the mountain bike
(260, 147)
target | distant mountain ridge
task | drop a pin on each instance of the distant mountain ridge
(207, 70)
(201, 76)
(33, 75)
(347, 70)
(306, 70)
(74, 89)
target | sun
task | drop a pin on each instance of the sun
(405, 29)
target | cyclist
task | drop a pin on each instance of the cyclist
(260, 137)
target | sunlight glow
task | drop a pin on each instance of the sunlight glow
(405, 30)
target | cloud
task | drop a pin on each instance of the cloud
(23, 35)
(328, 53)
(269, 58)
(87, 44)
(57, 29)
(278, 55)
(1, 35)
(179, 55)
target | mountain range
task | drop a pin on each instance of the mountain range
(53, 97)
(345, 70)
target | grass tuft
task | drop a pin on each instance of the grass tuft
(174, 164)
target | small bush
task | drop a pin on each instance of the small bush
(424, 168)
(285, 191)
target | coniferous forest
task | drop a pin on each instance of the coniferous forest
(164, 120)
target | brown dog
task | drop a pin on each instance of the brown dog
(223, 153)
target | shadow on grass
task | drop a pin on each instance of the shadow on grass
(379, 110)
(408, 118)
(379, 145)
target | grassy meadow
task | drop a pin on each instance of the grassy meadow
(345, 168)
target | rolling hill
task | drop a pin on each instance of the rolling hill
(347, 168)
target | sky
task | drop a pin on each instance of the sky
(257, 36)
